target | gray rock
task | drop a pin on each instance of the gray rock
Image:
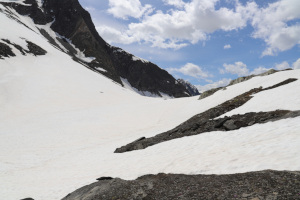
(229, 125)
(209, 93)
(253, 185)
(240, 79)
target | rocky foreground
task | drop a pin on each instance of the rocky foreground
(268, 185)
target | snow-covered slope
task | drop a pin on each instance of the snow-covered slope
(60, 123)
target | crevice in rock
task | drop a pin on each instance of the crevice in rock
(261, 185)
(206, 122)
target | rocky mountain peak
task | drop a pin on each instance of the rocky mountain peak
(190, 87)
(76, 32)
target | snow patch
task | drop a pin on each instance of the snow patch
(135, 58)
(82, 56)
(100, 69)
(144, 93)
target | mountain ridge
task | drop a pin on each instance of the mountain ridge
(74, 26)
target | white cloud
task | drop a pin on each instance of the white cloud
(111, 35)
(227, 46)
(176, 3)
(188, 23)
(241, 69)
(128, 8)
(192, 70)
(282, 66)
(192, 21)
(259, 70)
(220, 83)
(296, 65)
(238, 68)
(90, 9)
(272, 25)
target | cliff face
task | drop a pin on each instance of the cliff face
(74, 28)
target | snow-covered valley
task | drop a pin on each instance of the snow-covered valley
(60, 123)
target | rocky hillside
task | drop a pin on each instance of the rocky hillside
(77, 36)
(238, 80)
(248, 186)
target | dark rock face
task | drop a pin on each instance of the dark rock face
(22, 51)
(191, 88)
(32, 10)
(144, 75)
(73, 22)
(104, 178)
(5, 51)
(35, 49)
(206, 122)
(247, 186)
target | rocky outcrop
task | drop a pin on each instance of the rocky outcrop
(191, 88)
(18, 47)
(74, 25)
(207, 122)
(242, 79)
(236, 81)
(5, 51)
(209, 93)
(245, 186)
(35, 49)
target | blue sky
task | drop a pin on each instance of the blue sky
(207, 42)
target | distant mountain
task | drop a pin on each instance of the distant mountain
(75, 34)
(190, 88)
